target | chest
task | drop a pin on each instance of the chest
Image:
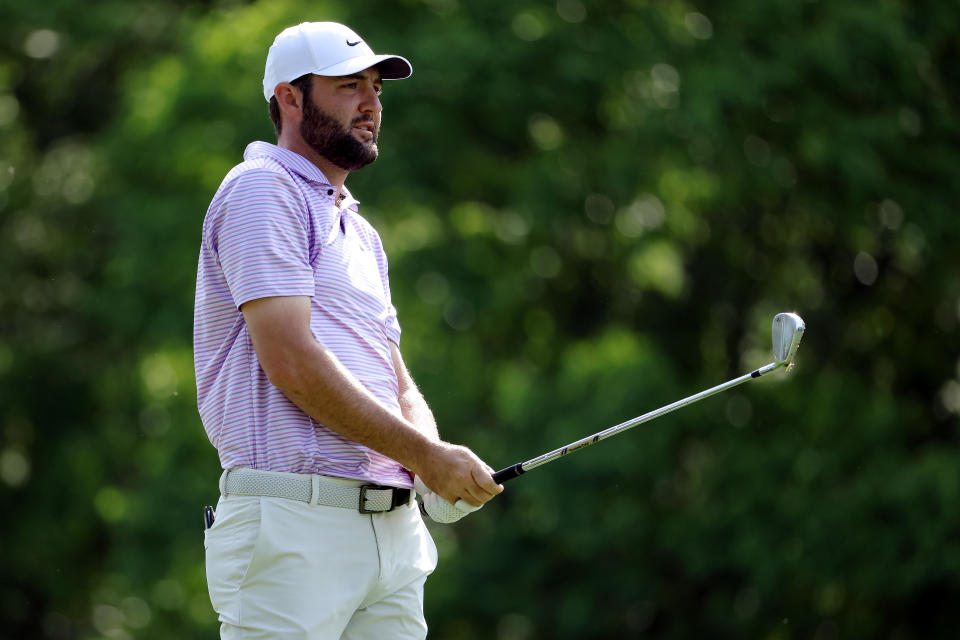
(346, 264)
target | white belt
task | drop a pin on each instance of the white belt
(313, 489)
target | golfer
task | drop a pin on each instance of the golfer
(300, 383)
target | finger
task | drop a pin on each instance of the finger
(473, 499)
(466, 507)
(449, 497)
(477, 495)
(486, 482)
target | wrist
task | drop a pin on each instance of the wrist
(422, 450)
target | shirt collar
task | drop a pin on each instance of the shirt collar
(298, 164)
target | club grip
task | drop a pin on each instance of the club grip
(508, 474)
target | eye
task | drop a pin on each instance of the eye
(350, 85)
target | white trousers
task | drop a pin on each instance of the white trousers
(282, 569)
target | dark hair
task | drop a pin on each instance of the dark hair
(304, 84)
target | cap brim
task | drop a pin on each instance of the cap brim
(390, 67)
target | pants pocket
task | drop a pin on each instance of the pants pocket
(230, 545)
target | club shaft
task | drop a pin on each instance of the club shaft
(522, 467)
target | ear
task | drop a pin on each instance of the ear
(290, 103)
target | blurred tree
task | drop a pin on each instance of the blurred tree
(591, 209)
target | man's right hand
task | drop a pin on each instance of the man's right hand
(455, 473)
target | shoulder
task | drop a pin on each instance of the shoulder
(258, 176)
(258, 193)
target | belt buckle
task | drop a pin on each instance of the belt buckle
(363, 499)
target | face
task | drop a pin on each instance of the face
(341, 118)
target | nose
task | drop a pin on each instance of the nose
(371, 101)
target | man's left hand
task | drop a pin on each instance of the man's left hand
(439, 509)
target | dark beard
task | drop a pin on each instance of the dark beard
(331, 140)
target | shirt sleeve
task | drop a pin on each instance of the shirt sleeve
(258, 229)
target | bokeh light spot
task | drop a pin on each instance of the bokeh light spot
(545, 131)
(571, 10)
(42, 43)
(865, 268)
(698, 25)
(14, 468)
(528, 26)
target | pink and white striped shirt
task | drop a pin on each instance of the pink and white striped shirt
(273, 229)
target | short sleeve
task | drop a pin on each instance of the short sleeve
(258, 229)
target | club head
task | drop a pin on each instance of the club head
(787, 331)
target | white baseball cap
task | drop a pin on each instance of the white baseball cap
(326, 49)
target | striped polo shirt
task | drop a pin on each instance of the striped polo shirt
(274, 229)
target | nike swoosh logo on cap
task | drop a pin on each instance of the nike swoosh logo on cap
(353, 44)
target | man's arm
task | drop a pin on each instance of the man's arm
(318, 383)
(412, 404)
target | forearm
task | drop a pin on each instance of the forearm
(416, 410)
(413, 406)
(326, 391)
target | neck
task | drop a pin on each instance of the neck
(336, 175)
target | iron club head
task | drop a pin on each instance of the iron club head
(787, 331)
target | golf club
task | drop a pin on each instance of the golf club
(787, 331)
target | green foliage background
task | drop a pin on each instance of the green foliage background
(591, 209)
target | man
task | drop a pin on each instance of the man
(300, 383)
